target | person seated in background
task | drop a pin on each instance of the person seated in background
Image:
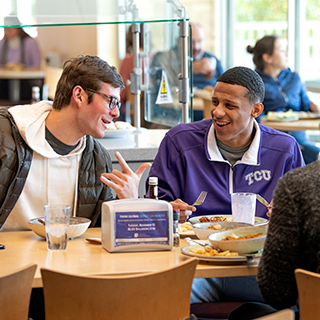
(293, 241)
(284, 89)
(206, 67)
(126, 67)
(229, 153)
(18, 50)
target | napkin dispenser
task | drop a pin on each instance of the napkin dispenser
(136, 225)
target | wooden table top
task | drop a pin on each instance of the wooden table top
(84, 258)
(298, 125)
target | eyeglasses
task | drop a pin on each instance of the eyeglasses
(113, 100)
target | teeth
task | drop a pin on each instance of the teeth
(221, 124)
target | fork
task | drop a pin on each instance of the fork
(201, 198)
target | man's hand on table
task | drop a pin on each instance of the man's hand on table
(124, 183)
(185, 209)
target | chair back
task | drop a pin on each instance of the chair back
(308, 284)
(15, 291)
(286, 314)
(158, 295)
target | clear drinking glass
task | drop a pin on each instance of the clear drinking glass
(243, 205)
(57, 220)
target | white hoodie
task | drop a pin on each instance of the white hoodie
(52, 178)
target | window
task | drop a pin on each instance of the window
(310, 45)
(235, 24)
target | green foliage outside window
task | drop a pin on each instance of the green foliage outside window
(271, 10)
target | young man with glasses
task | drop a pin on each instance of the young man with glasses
(48, 154)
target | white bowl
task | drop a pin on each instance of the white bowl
(77, 227)
(202, 232)
(241, 246)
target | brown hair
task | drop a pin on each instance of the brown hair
(129, 41)
(264, 45)
(88, 72)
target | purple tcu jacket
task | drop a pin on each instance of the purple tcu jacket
(189, 161)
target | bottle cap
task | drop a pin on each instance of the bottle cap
(36, 89)
(153, 180)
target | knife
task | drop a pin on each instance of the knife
(263, 201)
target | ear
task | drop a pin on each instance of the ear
(266, 58)
(78, 95)
(257, 110)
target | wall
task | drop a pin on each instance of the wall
(68, 41)
(203, 12)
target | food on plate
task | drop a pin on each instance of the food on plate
(216, 227)
(210, 251)
(281, 115)
(216, 219)
(213, 219)
(119, 125)
(248, 236)
(184, 227)
(219, 227)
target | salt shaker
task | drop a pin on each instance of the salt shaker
(176, 236)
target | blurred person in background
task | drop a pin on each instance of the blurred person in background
(126, 67)
(284, 89)
(206, 67)
(17, 51)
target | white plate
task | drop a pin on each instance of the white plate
(188, 233)
(308, 115)
(217, 259)
(118, 133)
(258, 220)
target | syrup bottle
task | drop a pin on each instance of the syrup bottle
(153, 188)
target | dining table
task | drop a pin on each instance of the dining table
(296, 125)
(15, 76)
(89, 258)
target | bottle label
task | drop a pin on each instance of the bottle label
(155, 191)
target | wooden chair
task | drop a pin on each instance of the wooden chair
(159, 295)
(308, 284)
(286, 314)
(15, 291)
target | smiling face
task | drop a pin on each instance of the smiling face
(233, 114)
(96, 115)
